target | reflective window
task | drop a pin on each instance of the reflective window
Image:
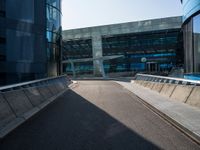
(53, 14)
(190, 7)
(54, 3)
(53, 19)
(196, 41)
(161, 51)
(24, 9)
(77, 49)
(21, 42)
(80, 68)
(53, 37)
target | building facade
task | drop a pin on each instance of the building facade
(25, 41)
(191, 31)
(146, 46)
(54, 37)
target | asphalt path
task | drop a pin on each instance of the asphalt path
(97, 115)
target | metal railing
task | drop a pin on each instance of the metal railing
(162, 79)
(34, 83)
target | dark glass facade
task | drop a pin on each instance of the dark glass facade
(54, 38)
(78, 49)
(156, 51)
(23, 40)
(153, 51)
(191, 29)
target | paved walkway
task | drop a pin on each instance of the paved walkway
(184, 115)
(96, 115)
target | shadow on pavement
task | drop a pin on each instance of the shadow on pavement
(73, 123)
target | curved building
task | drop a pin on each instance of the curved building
(54, 38)
(29, 39)
(191, 31)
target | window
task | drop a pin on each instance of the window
(196, 42)
(24, 8)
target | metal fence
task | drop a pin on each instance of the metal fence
(162, 79)
(35, 83)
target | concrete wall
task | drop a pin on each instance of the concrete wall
(16, 106)
(182, 93)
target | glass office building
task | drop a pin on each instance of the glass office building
(26, 48)
(191, 30)
(149, 46)
(153, 52)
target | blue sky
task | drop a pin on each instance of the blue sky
(86, 13)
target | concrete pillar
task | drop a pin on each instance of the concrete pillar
(97, 52)
(102, 69)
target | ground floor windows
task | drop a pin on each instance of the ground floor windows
(192, 45)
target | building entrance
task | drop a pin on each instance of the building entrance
(152, 66)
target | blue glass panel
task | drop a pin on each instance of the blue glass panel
(166, 66)
(137, 66)
(153, 55)
(190, 7)
(192, 76)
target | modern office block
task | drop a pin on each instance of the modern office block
(28, 48)
(146, 46)
(191, 32)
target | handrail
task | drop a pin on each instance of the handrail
(30, 83)
(163, 79)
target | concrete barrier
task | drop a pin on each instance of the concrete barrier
(65, 82)
(16, 106)
(158, 87)
(6, 114)
(56, 87)
(59, 86)
(34, 96)
(45, 92)
(149, 85)
(136, 81)
(144, 83)
(139, 82)
(181, 93)
(18, 101)
(177, 89)
(53, 89)
(168, 89)
(194, 98)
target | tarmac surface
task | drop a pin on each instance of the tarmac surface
(96, 115)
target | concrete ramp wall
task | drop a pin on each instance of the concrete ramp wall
(6, 113)
(20, 103)
(45, 92)
(158, 87)
(182, 93)
(168, 89)
(194, 98)
(34, 96)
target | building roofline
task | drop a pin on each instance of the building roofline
(97, 26)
